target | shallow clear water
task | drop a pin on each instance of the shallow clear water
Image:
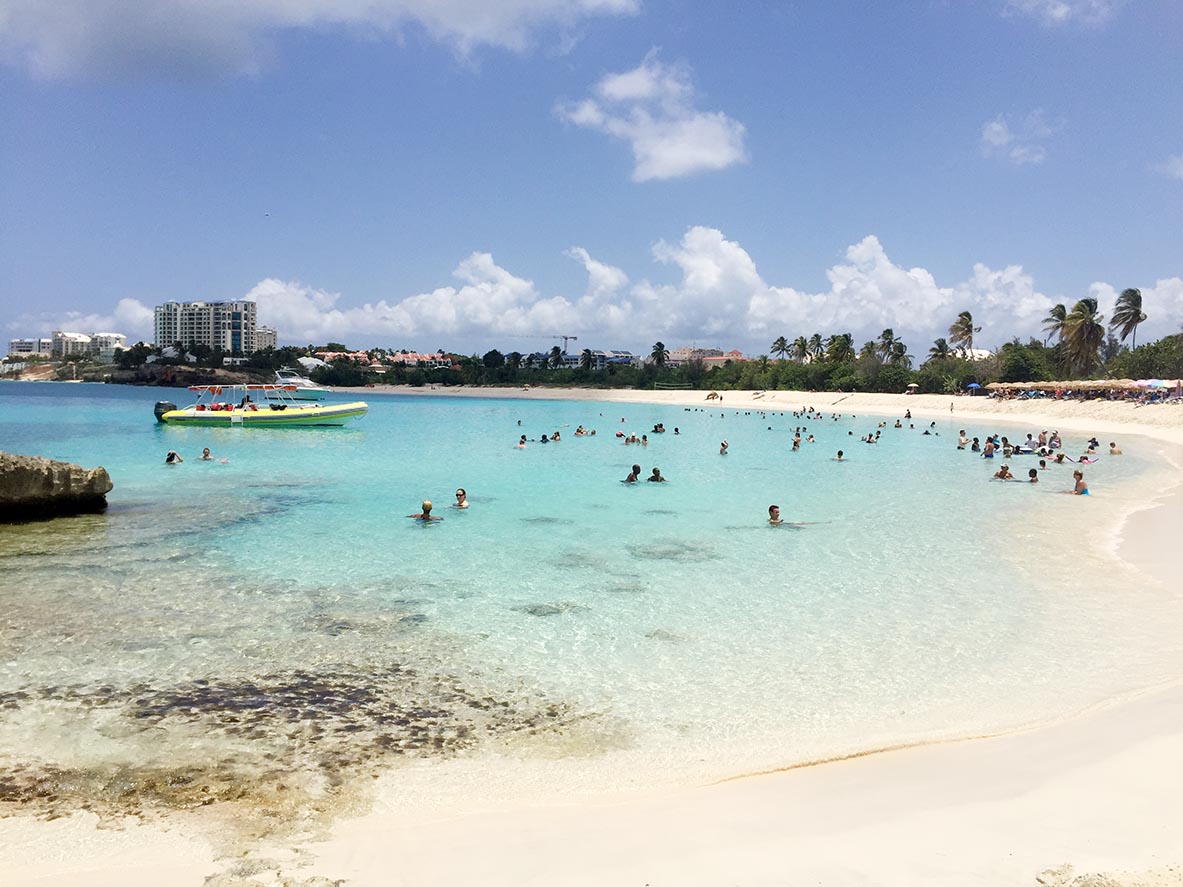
(277, 619)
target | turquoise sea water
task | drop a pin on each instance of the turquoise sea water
(272, 631)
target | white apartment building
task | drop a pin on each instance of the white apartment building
(42, 346)
(266, 337)
(104, 345)
(70, 344)
(230, 326)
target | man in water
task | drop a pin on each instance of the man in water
(1114, 449)
(839, 457)
(205, 456)
(461, 498)
(774, 515)
(656, 477)
(172, 457)
(425, 515)
(1003, 473)
(634, 475)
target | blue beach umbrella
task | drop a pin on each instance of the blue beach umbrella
(973, 385)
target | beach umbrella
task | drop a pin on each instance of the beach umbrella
(976, 385)
(913, 384)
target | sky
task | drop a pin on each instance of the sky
(459, 174)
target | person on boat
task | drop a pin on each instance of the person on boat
(425, 514)
(1080, 488)
(774, 515)
(172, 457)
(633, 475)
(205, 456)
(656, 477)
(461, 498)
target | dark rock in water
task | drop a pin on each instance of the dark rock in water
(32, 488)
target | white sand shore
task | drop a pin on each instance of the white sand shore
(1092, 801)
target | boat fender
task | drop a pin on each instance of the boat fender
(162, 407)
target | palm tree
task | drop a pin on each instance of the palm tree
(1127, 314)
(869, 349)
(939, 350)
(513, 359)
(1054, 322)
(800, 348)
(899, 354)
(556, 357)
(1084, 333)
(884, 345)
(585, 359)
(780, 347)
(840, 348)
(659, 354)
(961, 333)
(816, 348)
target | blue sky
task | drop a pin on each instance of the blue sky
(452, 173)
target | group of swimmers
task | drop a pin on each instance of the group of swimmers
(635, 475)
(172, 457)
(425, 514)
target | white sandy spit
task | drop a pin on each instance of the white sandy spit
(1092, 801)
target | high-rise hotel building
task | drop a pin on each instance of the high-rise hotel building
(229, 326)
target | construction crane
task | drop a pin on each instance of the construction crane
(565, 338)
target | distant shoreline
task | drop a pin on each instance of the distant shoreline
(1163, 422)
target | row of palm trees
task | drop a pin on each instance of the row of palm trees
(1081, 331)
(839, 348)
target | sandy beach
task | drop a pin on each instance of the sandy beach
(1092, 800)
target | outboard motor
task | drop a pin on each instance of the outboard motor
(162, 407)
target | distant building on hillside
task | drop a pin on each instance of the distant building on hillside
(70, 344)
(709, 356)
(266, 337)
(229, 326)
(42, 347)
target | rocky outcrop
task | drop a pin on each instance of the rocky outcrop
(32, 488)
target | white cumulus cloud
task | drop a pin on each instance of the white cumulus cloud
(70, 37)
(1021, 143)
(130, 316)
(716, 295)
(1058, 12)
(652, 108)
(1172, 167)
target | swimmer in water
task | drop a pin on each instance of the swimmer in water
(839, 457)
(461, 498)
(723, 448)
(1033, 476)
(656, 477)
(1003, 473)
(1080, 488)
(1114, 449)
(522, 443)
(425, 515)
(172, 457)
(774, 515)
(205, 456)
(634, 475)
